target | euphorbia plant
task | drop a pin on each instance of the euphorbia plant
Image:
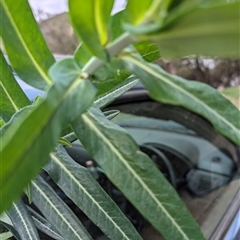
(114, 54)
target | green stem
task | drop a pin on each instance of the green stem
(116, 47)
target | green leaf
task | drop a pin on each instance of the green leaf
(148, 50)
(147, 16)
(114, 92)
(110, 78)
(82, 54)
(22, 221)
(12, 96)
(31, 61)
(135, 175)
(79, 185)
(107, 77)
(90, 20)
(64, 142)
(57, 212)
(136, 11)
(195, 96)
(209, 29)
(110, 114)
(5, 218)
(44, 226)
(5, 235)
(37, 100)
(11, 229)
(2, 123)
(233, 94)
(23, 112)
(116, 25)
(41, 128)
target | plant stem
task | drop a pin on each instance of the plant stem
(120, 43)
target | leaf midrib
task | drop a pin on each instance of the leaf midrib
(35, 134)
(42, 73)
(136, 176)
(9, 97)
(157, 75)
(100, 102)
(84, 190)
(48, 228)
(56, 210)
(22, 219)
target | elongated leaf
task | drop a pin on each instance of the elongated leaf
(195, 96)
(115, 92)
(136, 11)
(209, 29)
(135, 175)
(57, 212)
(116, 25)
(79, 185)
(41, 129)
(233, 94)
(111, 114)
(11, 229)
(82, 55)
(23, 112)
(146, 17)
(12, 96)
(5, 235)
(43, 225)
(90, 20)
(22, 221)
(31, 61)
(148, 50)
(5, 218)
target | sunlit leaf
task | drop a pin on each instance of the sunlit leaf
(135, 175)
(136, 11)
(90, 20)
(12, 96)
(146, 17)
(41, 128)
(31, 61)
